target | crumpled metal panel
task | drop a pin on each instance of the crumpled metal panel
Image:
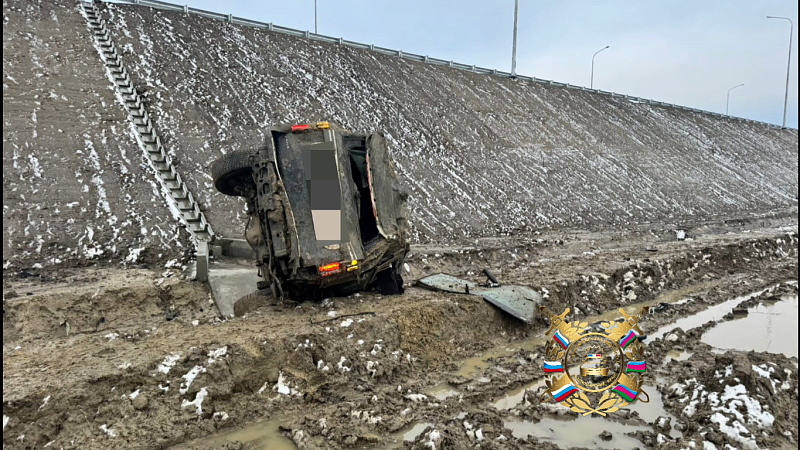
(519, 301)
(447, 283)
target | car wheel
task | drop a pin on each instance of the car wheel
(389, 283)
(232, 173)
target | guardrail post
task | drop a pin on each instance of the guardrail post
(230, 18)
(473, 67)
(269, 26)
(450, 64)
(400, 53)
(186, 9)
(372, 47)
(426, 58)
(341, 41)
(307, 34)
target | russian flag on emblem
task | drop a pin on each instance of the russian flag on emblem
(553, 367)
(594, 355)
(561, 339)
(564, 392)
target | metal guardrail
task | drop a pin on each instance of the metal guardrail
(419, 58)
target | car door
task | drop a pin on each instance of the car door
(388, 201)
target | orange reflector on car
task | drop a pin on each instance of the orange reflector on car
(330, 269)
(323, 125)
(303, 127)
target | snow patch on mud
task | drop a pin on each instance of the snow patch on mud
(197, 403)
(735, 411)
(188, 379)
(109, 431)
(214, 355)
(168, 363)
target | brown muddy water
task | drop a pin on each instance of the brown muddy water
(716, 312)
(515, 397)
(677, 355)
(264, 435)
(408, 434)
(561, 430)
(442, 391)
(568, 432)
(769, 327)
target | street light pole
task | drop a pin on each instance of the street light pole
(514, 51)
(315, 17)
(591, 83)
(789, 66)
(728, 102)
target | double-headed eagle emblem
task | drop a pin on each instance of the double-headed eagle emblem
(580, 361)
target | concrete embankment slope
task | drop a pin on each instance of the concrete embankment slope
(480, 155)
(75, 189)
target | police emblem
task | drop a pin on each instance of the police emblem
(594, 372)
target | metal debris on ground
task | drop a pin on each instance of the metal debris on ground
(518, 301)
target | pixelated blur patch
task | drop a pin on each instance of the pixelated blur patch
(323, 165)
(324, 190)
(325, 194)
(327, 225)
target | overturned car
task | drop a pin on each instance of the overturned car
(326, 213)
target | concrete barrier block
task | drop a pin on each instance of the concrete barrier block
(202, 261)
(236, 248)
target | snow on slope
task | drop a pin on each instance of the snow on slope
(481, 155)
(74, 188)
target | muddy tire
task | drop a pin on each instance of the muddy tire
(232, 173)
(251, 302)
(389, 282)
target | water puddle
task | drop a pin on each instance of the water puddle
(677, 355)
(515, 397)
(768, 327)
(715, 312)
(258, 436)
(442, 391)
(651, 411)
(559, 430)
(408, 434)
(477, 364)
(578, 432)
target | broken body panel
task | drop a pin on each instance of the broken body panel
(518, 301)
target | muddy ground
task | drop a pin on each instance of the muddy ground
(102, 358)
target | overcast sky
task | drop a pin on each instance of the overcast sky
(684, 52)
